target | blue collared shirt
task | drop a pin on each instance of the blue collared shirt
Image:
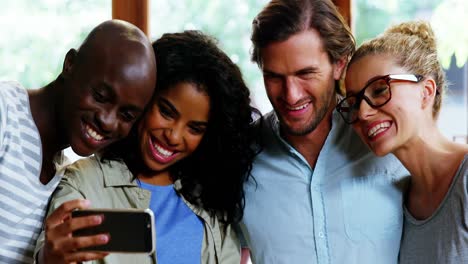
(348, 209)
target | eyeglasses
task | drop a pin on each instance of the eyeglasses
(377, 93)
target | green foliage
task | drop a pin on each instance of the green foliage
(447, 17)
(449, 21)
(228, 21)
(37, 34)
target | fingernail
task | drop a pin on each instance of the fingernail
(103, 238)
(97, 219)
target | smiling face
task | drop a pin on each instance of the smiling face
(106, 85)
(387, 128)
(103, 99)
(300, 81)
(174, 126)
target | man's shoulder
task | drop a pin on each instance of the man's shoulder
(268, 127)
(13, 99)
(347, 148)
(266, 121)
(11, 89)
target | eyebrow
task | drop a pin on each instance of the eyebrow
(108, 88)
(199, 123)
(133, 108)
(307, 69)
(173, 109)
(112, 95)
(271, 73)
(169, 104)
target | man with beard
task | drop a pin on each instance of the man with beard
(317, 195)
(103, 88)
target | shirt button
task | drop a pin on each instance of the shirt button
(321, 235)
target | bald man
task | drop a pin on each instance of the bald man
(103, 88)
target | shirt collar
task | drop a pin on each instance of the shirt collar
(116, 173)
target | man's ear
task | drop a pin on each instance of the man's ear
(69, 62)
(429, 92)
(338, 67)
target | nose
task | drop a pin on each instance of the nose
(365, 110)
(292, 91)
(107, 121)
(173, 135)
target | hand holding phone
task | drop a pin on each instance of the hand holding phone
(59, 246)
(129, 230)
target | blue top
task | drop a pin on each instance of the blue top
(179, 231)
(348, 209)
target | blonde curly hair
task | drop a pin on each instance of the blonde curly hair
(413, 45)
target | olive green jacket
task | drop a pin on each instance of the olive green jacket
(110, 184)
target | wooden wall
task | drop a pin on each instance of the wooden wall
(344, 6)
(137, 11)
(133, 11)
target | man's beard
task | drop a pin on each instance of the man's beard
(315, 120)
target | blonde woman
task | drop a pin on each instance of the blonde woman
(395, 85)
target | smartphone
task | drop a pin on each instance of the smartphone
(130, 230)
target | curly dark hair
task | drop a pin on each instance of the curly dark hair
(213, 176)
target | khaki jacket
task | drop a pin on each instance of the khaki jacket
(110, 184)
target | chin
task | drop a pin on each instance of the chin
(381, 150)
(80, 152)
(81, 149)
(380, 153)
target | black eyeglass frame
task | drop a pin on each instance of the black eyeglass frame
(415, 78)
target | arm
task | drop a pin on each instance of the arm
(3, 119)
(245, 256)
(56, 243)
(245, 251)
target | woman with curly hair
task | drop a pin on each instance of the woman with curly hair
(394, 86)
(186, 159)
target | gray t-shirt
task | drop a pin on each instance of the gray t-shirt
(443, 237)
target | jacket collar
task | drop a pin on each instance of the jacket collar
(116, 173)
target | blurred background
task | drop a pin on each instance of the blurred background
(36, 34)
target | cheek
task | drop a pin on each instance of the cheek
(320, 88)
(153, 120)
(125, 128)
(398, 110)
(358, 128)
(273, 88)
(85, 101)
(193, 141)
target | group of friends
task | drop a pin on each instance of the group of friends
(348, 167)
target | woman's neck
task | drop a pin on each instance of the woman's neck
(161, 178)
(432, 161)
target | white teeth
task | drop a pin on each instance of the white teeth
(298, 107)
(93, 134)
(166, 153)
(377, 129)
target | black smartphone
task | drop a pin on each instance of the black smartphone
(130, 230)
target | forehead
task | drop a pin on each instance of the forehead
(301, 50)
(128, 60)
(191, 102)
(367, 67)
(131, 78)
